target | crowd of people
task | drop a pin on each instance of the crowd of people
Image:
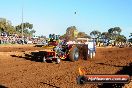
(15, 39)
(12, 39)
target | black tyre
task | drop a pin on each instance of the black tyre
(74, 54)
(84, 53)
(57, 60)
(44, 59)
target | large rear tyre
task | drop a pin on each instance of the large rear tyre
(74, 54)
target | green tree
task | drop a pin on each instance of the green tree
(81, 35)
(121, 38)
(130, 34)
(71, 33)
(105, 35)
(6, 26)
(130, 40)
(32, 32)
(26, 27)
(110, 31)
(117, 30)
(2, 24)
(95, 34)
(114, 32)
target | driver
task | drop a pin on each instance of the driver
(59, 47)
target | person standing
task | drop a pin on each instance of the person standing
(91, 48)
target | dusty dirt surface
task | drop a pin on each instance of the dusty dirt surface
(19, 48)
(18, 72)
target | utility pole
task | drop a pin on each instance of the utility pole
(22, 26)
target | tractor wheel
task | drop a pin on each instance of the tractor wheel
(74, 54)
(57, 60)
(44, 60)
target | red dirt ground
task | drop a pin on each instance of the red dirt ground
(18, 72)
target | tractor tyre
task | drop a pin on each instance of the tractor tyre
(74, 54)
(57, 60)
(44, 59)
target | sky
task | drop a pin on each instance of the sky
(55, 16)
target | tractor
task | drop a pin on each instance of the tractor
(58, 53)
(64, 51)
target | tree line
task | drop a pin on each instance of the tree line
(71, 32)
(7, 27)
(111, 34)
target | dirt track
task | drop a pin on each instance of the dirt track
(18, 72)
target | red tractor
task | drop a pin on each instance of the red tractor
(63, 51)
